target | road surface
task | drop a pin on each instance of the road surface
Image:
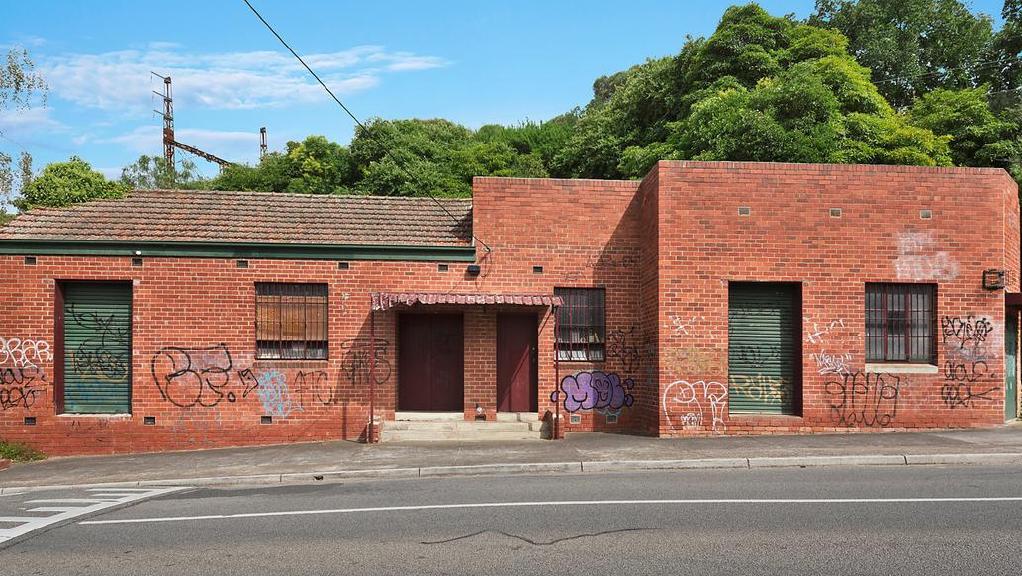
(840, 520)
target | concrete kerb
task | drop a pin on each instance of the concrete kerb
(595, 466)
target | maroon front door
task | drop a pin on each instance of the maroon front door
(516, 363)
(431, 361)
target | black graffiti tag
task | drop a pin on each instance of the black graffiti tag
(101, 356)
(619, 349)
(20, 387)
(864, 399)
(196, 376)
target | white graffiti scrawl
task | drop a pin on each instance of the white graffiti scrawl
(918, 259)
(684, 403)
(22, 352)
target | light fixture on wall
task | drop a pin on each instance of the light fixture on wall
(473, 270)
(993, 279)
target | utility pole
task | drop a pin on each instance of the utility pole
(168, 121)
(262, 142)
(169, 143)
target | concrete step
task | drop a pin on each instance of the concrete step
(464, 430)
(464, 426)
(388, 435)
(429, 416)
(517, 417)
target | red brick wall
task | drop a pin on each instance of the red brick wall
(791, 237)
(584, 233)
(664, 249)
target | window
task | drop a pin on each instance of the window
(581, 327)
(291, 321)
(901, 323)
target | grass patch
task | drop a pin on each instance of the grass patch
(19, 452)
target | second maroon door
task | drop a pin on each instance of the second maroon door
(431, 362)
(516, 363)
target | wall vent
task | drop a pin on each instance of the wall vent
(30, 260)
(242, 263)
(744, 211)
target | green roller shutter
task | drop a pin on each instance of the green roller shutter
(97, 348)
(763, 354)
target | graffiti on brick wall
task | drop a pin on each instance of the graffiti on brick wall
(102, 356)
(22, 352)
(357, 355)
(691, 404)
(596, 390)
(21, 386)
(919, 260)
(274, 394)
(864, 399)
(967, 332)
(818, 333)
(967, 374)
(622, 349)
(684, 325)
(832, 363)
(189, 377)
(761, 388)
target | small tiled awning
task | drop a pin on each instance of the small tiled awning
(386, 300)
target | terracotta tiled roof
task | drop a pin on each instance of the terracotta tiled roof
(188, 215)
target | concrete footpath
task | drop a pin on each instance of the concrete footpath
(578, 453)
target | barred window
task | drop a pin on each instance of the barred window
(581, 324)
(291, 321)
(901, 322)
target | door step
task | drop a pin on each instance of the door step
(463, 430)
(430, 416)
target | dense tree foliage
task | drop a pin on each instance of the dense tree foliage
(65, 183)
(912, 46)
(152, 172)
(925, 82)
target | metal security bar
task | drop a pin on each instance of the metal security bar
(291, 321)
(581, 324)
(901, 322)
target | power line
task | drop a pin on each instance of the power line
(365, 130)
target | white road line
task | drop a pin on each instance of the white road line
(562, 503)
(65, 513)
(67, 501)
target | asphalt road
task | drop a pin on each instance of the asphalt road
(863, 520)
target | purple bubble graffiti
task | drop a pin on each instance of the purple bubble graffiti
(594, 391)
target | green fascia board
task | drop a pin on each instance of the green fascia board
(254, 250)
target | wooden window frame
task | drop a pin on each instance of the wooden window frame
(581, 324)
(309, 338)
(880, 325)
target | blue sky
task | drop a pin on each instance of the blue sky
(471, 62)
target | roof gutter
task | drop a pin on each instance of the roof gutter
(269, 250)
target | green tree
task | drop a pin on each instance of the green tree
(66, 183)
(152, 173)
(21, 88)
(1005, 74)
(978, 136)
(912, 46)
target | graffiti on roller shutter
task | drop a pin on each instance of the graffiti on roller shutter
(761, 388)
(968, 377)
(102, 356)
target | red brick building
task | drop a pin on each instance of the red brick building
(709, 298)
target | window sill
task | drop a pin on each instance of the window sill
(103, 416)
(894, 368)
(294, 363)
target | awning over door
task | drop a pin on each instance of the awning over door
(387, 300)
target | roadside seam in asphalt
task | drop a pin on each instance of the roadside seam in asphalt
(554, 467)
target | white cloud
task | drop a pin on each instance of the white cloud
(28, 121)
(121, 81)
(230, 145)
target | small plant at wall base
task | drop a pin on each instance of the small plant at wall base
(19, 452)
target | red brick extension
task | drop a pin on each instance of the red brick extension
(665, 249)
